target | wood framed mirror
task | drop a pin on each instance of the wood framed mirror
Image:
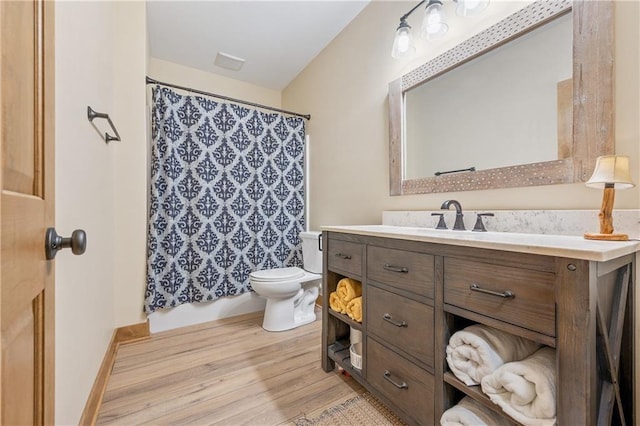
(589, 126)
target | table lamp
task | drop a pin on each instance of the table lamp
(611, 173)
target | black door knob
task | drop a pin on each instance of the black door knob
(54, 242)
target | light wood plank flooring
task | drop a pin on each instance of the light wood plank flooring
(226, 372)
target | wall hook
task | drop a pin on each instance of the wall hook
(91, 114)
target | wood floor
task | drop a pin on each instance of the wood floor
(226, 372)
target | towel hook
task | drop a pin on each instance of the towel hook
(91, 114)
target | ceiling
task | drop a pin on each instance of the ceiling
(277, 39)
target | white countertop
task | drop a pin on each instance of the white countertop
(549, 245)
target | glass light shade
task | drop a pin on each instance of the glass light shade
(470, 7)
(611, 169)
(403, 43)
(434, 23)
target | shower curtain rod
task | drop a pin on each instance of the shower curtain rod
(226, 98)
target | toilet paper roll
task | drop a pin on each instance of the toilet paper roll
(355, 336)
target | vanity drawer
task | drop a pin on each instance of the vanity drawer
(402, 322)
(532, 305)
(410, 387)
(345, 256)
(405, 270)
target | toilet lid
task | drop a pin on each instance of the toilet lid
(278, 274)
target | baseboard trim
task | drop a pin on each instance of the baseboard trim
(127, 334)
(131, 333)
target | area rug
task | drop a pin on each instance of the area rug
(362, 410)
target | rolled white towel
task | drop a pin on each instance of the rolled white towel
(469, 412)
(478, 350)
(526, 390)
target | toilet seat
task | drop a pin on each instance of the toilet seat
(277, 275)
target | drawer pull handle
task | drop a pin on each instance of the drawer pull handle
(394, 268)
(507, 294)
(343, 256)
(403, 385)
(387, 318)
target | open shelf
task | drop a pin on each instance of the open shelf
(345, 318)
(476, 393)
(339, 352)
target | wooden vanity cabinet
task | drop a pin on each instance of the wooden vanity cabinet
(417, 294)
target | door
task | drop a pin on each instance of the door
(26, 211)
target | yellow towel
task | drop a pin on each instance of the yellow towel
(349, 289)
(354, 309)
(336, 303)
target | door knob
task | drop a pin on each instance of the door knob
(54, 242)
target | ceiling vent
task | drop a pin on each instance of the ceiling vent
(224, 60)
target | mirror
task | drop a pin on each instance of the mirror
(457, 131)
(567, 123)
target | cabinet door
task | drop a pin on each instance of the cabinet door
(402, 382)
(402, 269)
(404, 323)
(344, 256)
(529, 304)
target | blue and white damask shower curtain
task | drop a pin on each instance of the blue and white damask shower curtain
(227, 197)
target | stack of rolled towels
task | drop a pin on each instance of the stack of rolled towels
(517, 374)
(469, 412)
(347, 299)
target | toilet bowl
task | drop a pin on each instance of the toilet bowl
(291, 292)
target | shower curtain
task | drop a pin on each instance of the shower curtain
(227, 197)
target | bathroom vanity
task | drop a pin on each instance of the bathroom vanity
(421, 285)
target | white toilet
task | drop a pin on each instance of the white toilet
(291, 293)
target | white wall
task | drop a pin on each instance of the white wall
(84, 199)
(181, 75)
(100, 61)
(345, 91)
(129, 61)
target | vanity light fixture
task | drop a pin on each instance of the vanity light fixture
(611, 172)
(434, 23)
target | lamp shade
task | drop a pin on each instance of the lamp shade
(403, 42)
(434, 22)
(612, 170)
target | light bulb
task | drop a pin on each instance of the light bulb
(434, 23)
(403, 43)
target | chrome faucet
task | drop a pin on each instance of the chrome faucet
(459, 224)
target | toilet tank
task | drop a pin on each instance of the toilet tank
(311, 254)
